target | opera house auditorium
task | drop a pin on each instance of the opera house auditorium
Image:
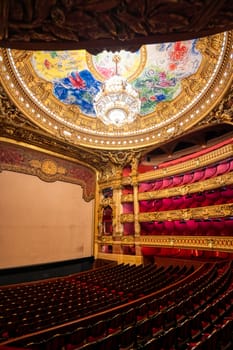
(116, 186)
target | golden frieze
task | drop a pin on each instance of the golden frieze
(209, 184)
(213, 211)
(187, 242)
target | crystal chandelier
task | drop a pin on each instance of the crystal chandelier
(117, 103)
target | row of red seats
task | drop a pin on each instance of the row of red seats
(182, 317)
(218, 196)
(206, 227)
(91, 292)
(188, 178)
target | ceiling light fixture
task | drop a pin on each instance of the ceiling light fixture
(117, 103)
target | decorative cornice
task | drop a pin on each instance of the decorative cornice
(214, 211)
(47, 167)
(209, 184)
(186, 242)
(222, 113)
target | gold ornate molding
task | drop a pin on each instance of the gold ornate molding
(209, 184)
(224, 244)
(213, 211)
(222, 113)
(187, 242)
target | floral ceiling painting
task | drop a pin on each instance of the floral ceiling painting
(155, 71)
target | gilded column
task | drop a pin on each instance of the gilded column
(134, 179)
(116, 186)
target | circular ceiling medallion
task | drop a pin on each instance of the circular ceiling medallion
(178, 84)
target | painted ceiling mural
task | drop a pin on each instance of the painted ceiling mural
(156, 72)
(177, 82)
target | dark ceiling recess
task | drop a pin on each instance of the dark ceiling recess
(197, 139)
(96, 25)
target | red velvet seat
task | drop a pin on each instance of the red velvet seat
(110, 342)
(169, 339)
(97, 330)
(158, 227)
(223, 168)
(55, 342)
(170, 317)
(157, 324)
(153, 307)
(127, 338)
(192, 227)
(76, 338)
(226, 335)
(227, 194)
(177, 202)
(199, 198)
(210, 172)
(169, 227)
(196, 326)
(187, 202)
(183, 334)
(207, 227)
(129, 317)
(157, 184)
(114, 323)
(89, 346)
(228, 226)
(152, 344)
(198, 175)
(167, 204)
(147, 228)
(180, 227)
(143, 331)
(218, 226)
(187, 178)
(145, 187)
(158, 204)
(141, 311)
(167, 182)
(177, 180)
(211, 197)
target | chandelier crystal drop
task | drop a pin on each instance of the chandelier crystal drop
(117, 103)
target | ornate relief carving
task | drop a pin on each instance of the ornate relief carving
(185, 214)
(113, 24)
(127, 239)
(209, 184)
(105, 202)
(200, 242)
(113, 164)
(11, 114)
(47, 167)
(222, 113)
(193, 242)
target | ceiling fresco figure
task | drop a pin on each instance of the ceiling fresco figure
(156, 72)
